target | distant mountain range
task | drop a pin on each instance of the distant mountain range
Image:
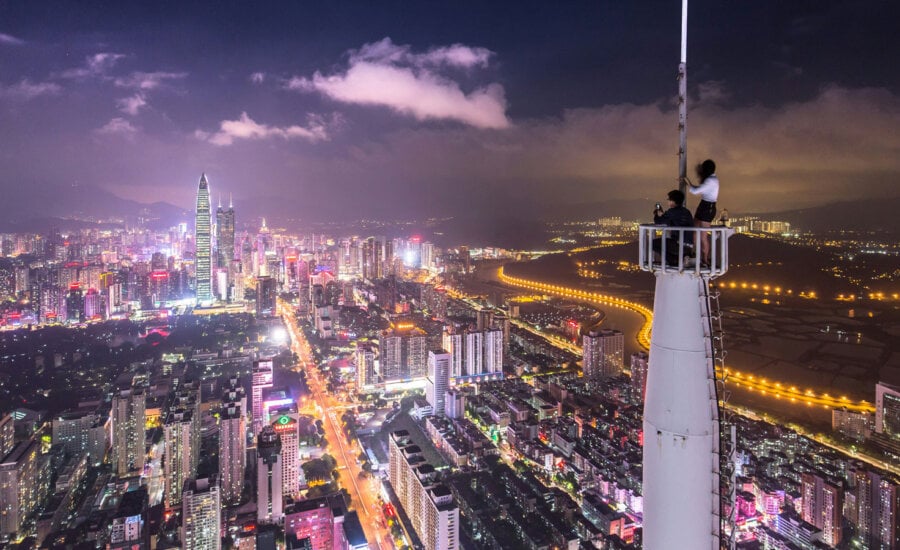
(859, 215)
(37, 208)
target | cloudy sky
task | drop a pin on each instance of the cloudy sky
(423, 108)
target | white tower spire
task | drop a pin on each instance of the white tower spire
(681, 410)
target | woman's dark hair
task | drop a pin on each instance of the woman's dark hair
(706, 169)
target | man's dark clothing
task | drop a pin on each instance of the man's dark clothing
(678, 216)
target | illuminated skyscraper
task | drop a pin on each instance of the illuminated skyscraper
(438, 380)
(203, 241)
(182, 447)
(887, 410)
(265, 296)
(262, 378)
(823, 503)
(232, 451)
(223, 281)
(224, 236)
(127, 418)
(365, 366)
(286, 423)
(269, 477)
(639, 373)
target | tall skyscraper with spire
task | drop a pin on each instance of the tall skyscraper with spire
(224, 235)
(203, 241)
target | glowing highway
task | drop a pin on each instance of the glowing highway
(763, 386)
(363, 493)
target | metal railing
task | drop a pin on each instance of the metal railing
(678, 249)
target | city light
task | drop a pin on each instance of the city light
(748, 381)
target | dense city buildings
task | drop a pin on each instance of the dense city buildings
(335, 392)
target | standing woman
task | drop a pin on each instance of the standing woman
(708, 189)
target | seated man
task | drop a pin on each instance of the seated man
(675, 216)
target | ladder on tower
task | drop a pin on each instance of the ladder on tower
(727, 434)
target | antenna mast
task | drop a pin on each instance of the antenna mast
(682, 102)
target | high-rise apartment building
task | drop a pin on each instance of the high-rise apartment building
(474, 354)
(181, 434)
(232, 450)
(455, 403)
(390, 363)
(876, 514)
(823, 505)
(887, 410)
(19, 492)
(365, 366)
(639, 366)
(438, 380)
(80, 432)
(440, 528)
(7, 435)
(128, 416)
(403, 353)
(269, 477)
(428, 503)
(262, 377)
(265, 296)
(203, 243)
(604, 352)
(201, 522)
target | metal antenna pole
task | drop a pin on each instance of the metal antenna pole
(682, 102)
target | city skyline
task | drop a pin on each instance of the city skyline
(427, 318)
(402, 111)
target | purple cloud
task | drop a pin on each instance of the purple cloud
(389, 75)
(247, 128)
(147, 81)
(118, 126)
(94, 65)
(10, 40)
(133, 104)
(26, 89)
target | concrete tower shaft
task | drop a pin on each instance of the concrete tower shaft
(681, 412)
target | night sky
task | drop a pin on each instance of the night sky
(418, 109)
